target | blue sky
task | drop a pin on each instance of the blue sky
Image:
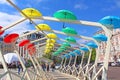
(90, 10)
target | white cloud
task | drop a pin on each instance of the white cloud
(81, 6)
(82, 41)
(5, 2)
(7, 19)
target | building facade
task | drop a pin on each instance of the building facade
(115, 48)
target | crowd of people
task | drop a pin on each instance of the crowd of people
(47, 67)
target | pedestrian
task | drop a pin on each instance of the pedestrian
(43, 66)
(53, 66)
(19, 67)
(47, 67)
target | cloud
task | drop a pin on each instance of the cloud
(81, 6)
(82, 41)
(5, 2)
(7, 19)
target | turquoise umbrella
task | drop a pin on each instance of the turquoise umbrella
(111, 22)
(92, 45)
(84, 49)
(69, 30)
(64, 14)
(71, 40)
(100, 37)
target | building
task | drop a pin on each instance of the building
(115, 48)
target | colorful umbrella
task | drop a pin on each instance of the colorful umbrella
(31, 12)
(111, 22)
(43, 27)
(24, 42)
(69, 30)
(64, 14)
(71, 40)
(100, 37)
(92, 45)
(52, 35)
(11, 38)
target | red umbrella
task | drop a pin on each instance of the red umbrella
(32, 50)
(10, 38)
(24, 42)
(1, 32)
(30, 45)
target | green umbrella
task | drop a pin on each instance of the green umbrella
(69, 30)
(65, 44)
(64, 14)
(71, 39)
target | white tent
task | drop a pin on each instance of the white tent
(11, 57)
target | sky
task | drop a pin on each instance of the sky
(89, 10)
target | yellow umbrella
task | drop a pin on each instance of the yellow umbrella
(31, 12)
(49, 44)
(52, 36)
(47, 51)
(49, 47)
(43, 27)
(51, 41)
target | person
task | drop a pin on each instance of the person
(19, 67)
(47, 67)
(53, 66)
(43, 66)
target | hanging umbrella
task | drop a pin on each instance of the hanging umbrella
(84, 49)
(11, 38)
(69, 30)
(92, 45)
(43, 27)
(24, 42)
(77, 51)
(11, 57)
(31, 12)
(100, 37)
(71, 40)
(111, 22)
(52, 35)
(51, 41)
(64, 14)
(1, 32)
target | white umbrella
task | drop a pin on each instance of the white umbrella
(11, 57)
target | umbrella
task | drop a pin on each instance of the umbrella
(10, 38)
(24, 42)
(71, 39)
(69, 30)
(64, 14)
(43, 27)
(100, 37)
(11, 57)
(1, 32)
(111, 22)
(31, 12)
(92, 45)
(52, 35)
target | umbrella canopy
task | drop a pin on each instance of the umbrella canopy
(43, 27)
(84, 49)
(77, 51)
(10, 38)
(1, 32)
(71, 53)
(11, 57)
(66, 44)
(52, 35)
(69, 30)
(111, 22)
(100, 37)
(51, 41)
(31, 12)
(64, 14)
(24, 42)
(71, 39)
(92, 45)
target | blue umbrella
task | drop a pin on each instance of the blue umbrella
(100, 37)
(77, 51)
(111, 22)
(84, 49)
(73, 54)
(67, 56)
(92, 45)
